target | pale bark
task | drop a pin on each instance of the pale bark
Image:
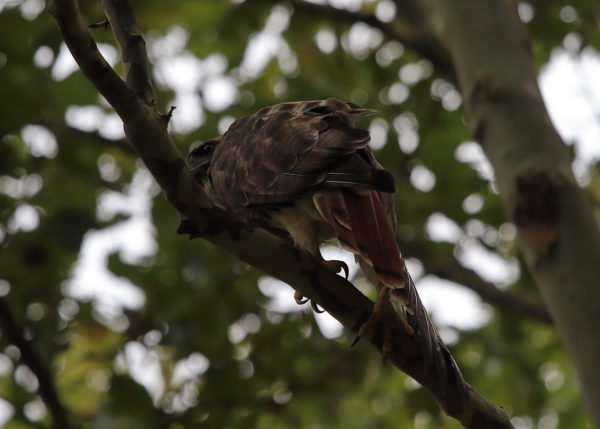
(559, 236)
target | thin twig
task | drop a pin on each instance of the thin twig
(443, 264)
(167, 117)
(413, 36)
(13, 334)
(100, 24)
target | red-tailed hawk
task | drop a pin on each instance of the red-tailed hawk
(305, 169)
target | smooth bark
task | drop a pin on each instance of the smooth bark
(560, 237)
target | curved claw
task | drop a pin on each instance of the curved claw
(315, 307)
(344, 267)
(300, 299)
(337, 266)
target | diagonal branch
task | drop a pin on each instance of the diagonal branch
(145, 128)
(278, 257)
(13, 334)
(442, 263)
(133, 48)
(410, 31)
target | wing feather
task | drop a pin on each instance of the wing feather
(278, 154)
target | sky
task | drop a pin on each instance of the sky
(571, 94)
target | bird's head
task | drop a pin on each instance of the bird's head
(198, 160)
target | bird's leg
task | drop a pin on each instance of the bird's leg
(304, 231)
(333, 265)
(379, 321)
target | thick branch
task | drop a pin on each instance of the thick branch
(560, 237)
(281, 259)
(133, 48)
(144, 127)
(13, 334)
(147, 133)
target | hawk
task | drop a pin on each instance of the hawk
(304, 168)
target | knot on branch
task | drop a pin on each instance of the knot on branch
(536, 211)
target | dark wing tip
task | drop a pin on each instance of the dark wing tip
(384, 181)
(377, 180)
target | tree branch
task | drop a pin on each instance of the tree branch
(559, 234)
(13, 334)
(411, 31)
(133, 48)
(442, 263)
(144, 127)
(147, 132)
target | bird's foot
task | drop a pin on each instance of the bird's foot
(337, 266)
(379, 320)
(301, 299)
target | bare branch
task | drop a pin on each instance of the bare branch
(345, 303)
(100, 24)
(413, 34)
(278, 256)
(443, 264)
(133, 48)
(144, 127)
(13, 334)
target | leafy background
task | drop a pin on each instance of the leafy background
(140, 328)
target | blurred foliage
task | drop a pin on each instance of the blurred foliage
(199, 344)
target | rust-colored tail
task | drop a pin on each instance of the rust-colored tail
(375, 238)
(363, 227)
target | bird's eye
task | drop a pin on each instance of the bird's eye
(207, 148)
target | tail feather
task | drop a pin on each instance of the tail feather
(362, 226)
(375, 238)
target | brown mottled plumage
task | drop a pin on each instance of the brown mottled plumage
(303, 168)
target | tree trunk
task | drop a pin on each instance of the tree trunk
(559, 235)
